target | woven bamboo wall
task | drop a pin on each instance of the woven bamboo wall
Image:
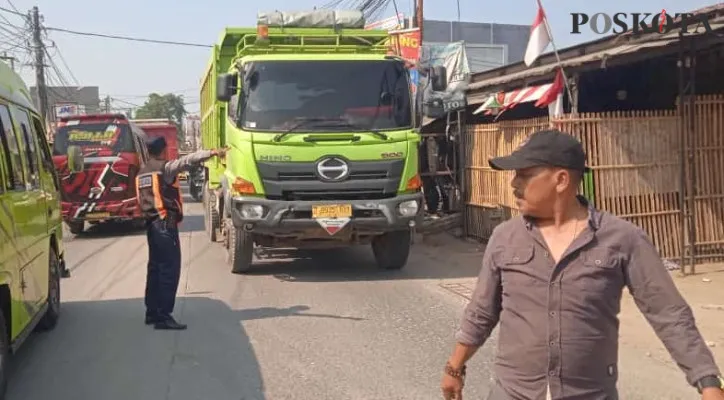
(708, 180)
(635, 158)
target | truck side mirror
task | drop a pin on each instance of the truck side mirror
(438, 77)
(75, 159)
(226, 86)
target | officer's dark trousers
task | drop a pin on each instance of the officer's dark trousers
(164, 268)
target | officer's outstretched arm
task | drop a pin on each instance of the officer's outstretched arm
(173, 167)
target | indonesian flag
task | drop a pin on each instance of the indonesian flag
(554, 91)
(539, 38)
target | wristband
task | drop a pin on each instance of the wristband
(455, 373)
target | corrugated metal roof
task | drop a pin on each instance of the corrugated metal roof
(571, 62)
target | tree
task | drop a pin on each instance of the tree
(169, 105)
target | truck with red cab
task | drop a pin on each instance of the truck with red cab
(97, 157)
(161, 127)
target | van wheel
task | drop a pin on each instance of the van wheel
(4, 356)
(240, 250)
(76, 227)
(211, 214)
(52, 314)
(392, 249)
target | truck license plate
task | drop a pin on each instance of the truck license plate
(332, 217)
(98, 215)
(332, 211)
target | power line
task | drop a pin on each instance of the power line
(127, 38)
(13, 6)
(7, 10)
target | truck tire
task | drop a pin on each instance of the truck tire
(4, 356)
(52, 314)
(392, 249)
(211, 214)
(76, 227)
(240, 252)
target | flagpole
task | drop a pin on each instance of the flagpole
(555, 51)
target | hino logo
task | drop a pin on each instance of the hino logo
(275, 158)
(332, 169)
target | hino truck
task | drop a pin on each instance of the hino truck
(320, 124)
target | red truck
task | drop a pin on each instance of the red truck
(161, 127)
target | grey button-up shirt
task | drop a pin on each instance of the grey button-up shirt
(559, 323)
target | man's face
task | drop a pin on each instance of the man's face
(535, 190)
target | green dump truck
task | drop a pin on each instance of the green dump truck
(320, 124)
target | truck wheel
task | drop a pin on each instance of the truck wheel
(4, 356)
(50, 319)
(76, 227)
(241, 249)
(392, 249)
(211, 215)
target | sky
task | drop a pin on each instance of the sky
(128, 71)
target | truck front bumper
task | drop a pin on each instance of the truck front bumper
(293, 219)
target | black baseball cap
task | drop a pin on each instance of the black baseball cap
(156, 145)
(551, 148)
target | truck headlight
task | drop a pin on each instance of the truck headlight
(252, 211)
(408, 208)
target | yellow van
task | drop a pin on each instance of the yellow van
(31, 233)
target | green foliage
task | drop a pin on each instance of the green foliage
(169, 105)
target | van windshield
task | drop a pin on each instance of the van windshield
(94, 137)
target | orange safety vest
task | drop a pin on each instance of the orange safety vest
(156, 197)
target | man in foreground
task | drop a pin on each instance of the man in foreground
(159, 196)
(554, 278)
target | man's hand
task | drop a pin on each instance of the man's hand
(452, 387)
(221, 153)
(712, 394)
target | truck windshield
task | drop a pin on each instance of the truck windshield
(94, 137)
(366, 94)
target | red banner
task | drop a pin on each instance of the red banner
(406, 44)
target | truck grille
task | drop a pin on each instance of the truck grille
(310, 176)
(367, 180)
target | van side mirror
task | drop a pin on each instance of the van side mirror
(226, 86)
(75, 159)
(438, 77)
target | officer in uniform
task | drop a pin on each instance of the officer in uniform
(159, 196)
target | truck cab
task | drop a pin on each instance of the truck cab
(97, 157)
(321, 128)
(161, 127)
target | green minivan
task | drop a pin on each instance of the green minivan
(31, 247)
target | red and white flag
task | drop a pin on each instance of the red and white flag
(553, 91)
(553, 97)
(539, 37)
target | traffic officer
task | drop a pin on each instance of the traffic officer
(159, 196)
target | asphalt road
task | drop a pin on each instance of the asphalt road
(331, 327)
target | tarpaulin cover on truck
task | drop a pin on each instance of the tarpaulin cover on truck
(313, 19)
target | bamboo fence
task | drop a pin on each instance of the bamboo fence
(635, 159)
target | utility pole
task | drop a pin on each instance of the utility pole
(420, 18)
(40, 64)
(194, 132)
(107, 103)
(12, 59)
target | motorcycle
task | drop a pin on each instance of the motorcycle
(196, 183)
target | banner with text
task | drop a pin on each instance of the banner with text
(454, 58)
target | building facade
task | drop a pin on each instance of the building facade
(487, 45)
